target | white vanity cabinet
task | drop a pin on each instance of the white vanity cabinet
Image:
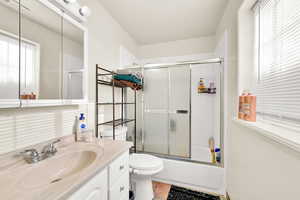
(95, 189)
(119, 178)
(112, 183)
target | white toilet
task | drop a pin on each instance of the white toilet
(142, 168)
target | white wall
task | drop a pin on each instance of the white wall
(105, 38)
(178, 48)
(257, 168)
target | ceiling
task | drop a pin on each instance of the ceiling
(156, 21)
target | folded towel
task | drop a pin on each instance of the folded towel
(128, 77)
(130, 84)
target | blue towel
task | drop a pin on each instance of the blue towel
(128, 77)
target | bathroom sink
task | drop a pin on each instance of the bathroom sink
(57, 168)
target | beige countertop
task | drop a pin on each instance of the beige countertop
(22, 181)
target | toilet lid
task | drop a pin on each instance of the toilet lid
(145, 162)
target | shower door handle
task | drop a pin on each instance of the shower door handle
(182, 111)
(172, 124)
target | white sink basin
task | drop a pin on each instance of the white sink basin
(57, 168)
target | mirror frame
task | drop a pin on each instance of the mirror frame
(23, 103)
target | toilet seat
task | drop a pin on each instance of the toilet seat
(145, 164)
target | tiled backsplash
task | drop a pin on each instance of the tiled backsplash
(23, 127)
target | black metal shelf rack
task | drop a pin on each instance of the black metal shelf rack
(101, 72)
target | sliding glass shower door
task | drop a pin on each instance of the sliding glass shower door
(167, 111)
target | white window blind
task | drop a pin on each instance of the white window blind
(277, 25)
(29, 68)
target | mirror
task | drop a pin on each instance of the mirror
(73, 60)
(9, 52)
(41, 55)
(41, 50)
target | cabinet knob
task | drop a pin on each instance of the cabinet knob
(122, 189)
(121, 167)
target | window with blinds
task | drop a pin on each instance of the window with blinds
(277, 46)
(9, 66)
(29, 68)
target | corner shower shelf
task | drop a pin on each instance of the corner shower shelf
(206, 93)
(102, 72)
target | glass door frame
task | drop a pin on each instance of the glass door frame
(188, 66)
(219, 61)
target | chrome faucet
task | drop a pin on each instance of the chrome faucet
(50, 150)
(33, 156)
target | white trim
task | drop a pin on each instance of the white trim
(27, 103)
(51, 6)
(279, 134)
(9, 103)
(74, 101)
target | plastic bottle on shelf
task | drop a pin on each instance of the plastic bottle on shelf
(86, 135)
(82, 123)
(250, 108)
(201, 87)
(241, 114)
(218, 155)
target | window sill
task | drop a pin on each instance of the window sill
(282, 135)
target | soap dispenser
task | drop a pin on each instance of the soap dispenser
(82, 123)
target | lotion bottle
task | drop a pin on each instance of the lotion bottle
(241, 114)
(250, 107)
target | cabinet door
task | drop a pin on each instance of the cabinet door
(120, 189)
(73, 61)
(95, 189)
(9, 54)
(41, 52)
(96, 194)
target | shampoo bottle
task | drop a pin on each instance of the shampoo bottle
(201, 86)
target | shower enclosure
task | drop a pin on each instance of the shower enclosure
(167, 111)
(173, 119)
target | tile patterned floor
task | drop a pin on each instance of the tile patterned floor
(161, 191)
